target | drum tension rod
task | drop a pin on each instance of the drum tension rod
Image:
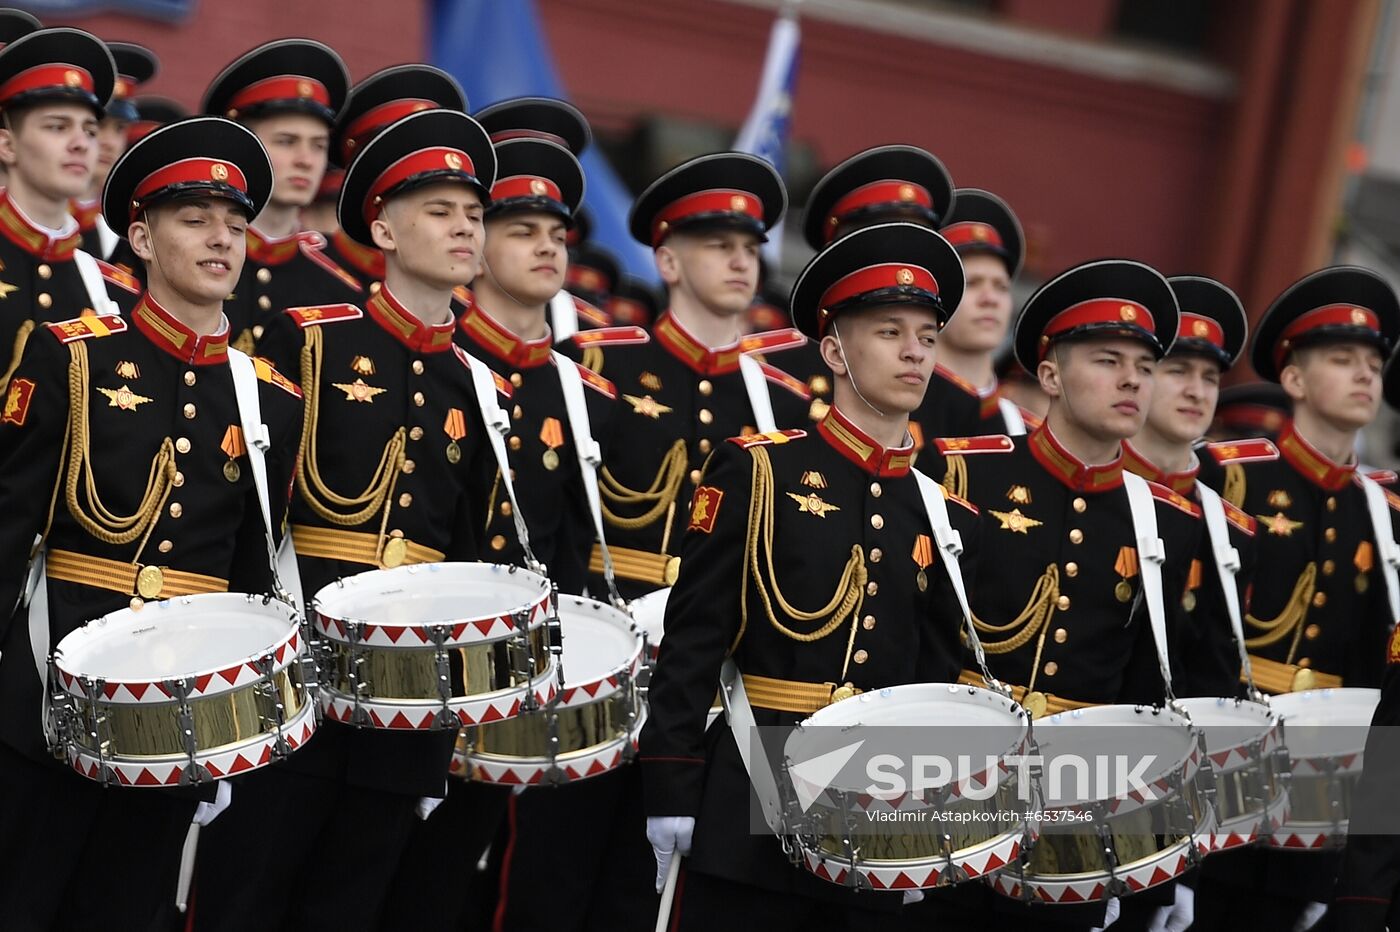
(194, 772)
(268, 687)
(93, 688)
(1334, 803)
(854, 878)
(358, 686)
(445, 718)
(1115, 885)
(629, 693)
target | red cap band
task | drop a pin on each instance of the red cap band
(972, 233)
(585, 277)
(43, 76)
(140, 129)
(505, 134)
(1097, 311)
(376, 118)
(874, 278)
(627, 311)
(1196, 327)
(526, 186)
(281, 87)
(189, 171)
(1332, 315)
(434, 159)
(891, 191)
(714, 201)
(123, 87)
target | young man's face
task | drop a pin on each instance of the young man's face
(1103, 384)
(888, 351)
(984, 313)
(52, 147)
(526, 255)
(433, 234)
(1341, 382)
(194, 248)
(111, 143)
(298, 145)
(1184, 392)
(716, 268)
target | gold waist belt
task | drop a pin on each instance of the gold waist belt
(658, 569)
(765, 692)
(1277, 678)
(1037, 703)
(149, 582)
(360, 547)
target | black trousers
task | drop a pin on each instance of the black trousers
(1262, 888)
(705, 903)
(77, 855)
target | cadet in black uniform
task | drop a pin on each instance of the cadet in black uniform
(288, 92)
(395, 469)
(633, 303)
(848, 528)
(143, 407)
(1250, 410)
(136, 65)
(1319, 616)
(14, 24)
(151, 114)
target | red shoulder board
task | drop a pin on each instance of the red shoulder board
(961, 501)
(1238, 518)
(988, 443)
(591, 312)
(1382, 476)
(1175, 499)
(773, 436)
(324, 314)
(773, 341)
(596, 382)
(1032, 420)
(502, 386)
(791, 383)
(312, 246)
(464, 294)
(269, 374)
(118, 276)
(1260, 450)
(87, 327)
(611, 336)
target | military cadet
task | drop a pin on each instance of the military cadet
(593, 273)
(135, 66)
(633, 303)
(1251, 409)
(684, 391)
(53, 84)
(320, 215)
(154, 498)
(288, 92)
(1319, 616)
(374, 103)
(13, 25)
(395, 469)
(781, 523)
(151, 114)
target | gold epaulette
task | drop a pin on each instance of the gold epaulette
(268, 373)
(791, 383)
(596, 382)
(323, 314)
(1175, 499)
(502, 386)
(118, 276)
(773, 341)
(591, 312)
(987, 443)
(1238, 518)
(772, 436)
(88, 327)
(1225, 452)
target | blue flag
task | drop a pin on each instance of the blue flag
(765, 132)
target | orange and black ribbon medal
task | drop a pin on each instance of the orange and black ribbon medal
(1126, 566)
(923, 556)
(552, 435)
(456, 428)
(233, 448)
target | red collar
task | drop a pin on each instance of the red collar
(1315, 467)
(858, 447)
(500, 342)
(18, 229)
(1067, 468)
(177, 339)
(366, 260)
(86, 213)
(406, 328)
(1181, 482)
(705, 361)
(267, 251)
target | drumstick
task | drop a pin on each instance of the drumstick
(182, 889)
(668, 893)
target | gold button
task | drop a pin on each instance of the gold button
(375, 286)
(1330, 534)
(265, 302)
(45, 272)
(517, 379)
(409, 466)
(1319, 599)
(188, 411)
(1052, 668)
(264, 275)
(417, 367)
(165, 546)
(868, 622)
(705, 416)
(517, 412)
(515, 443)
(257, 331)
(45, 300)
(877, 521)
(137, 603)
(704, 446)
(860, 656)
(705, 387)
(1061, 635)
(1071, 569)
(176, 509)
(1312, 631)
(875, 489)
(396, 533)
(1328, 567)
(1062, 603)
(189, 378)
(872, 588)
(415, 434)
(498, 542)
(1079, 505)
(695, 476)
(395, 552)
(1076, 536)
(405, 500)
(1331, 503)
(1305, 662)
(178, 479)
(182, 445)
(505, 509)
(418, 399)
(876, 554)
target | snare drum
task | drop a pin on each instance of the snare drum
(1326, 731)
(976, 840)
(1245, 743)
(182, 691)
(1135, 840)
(596, 718)
(434, 645)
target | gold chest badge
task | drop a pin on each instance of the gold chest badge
(647, 406)
(1014, 521)
(1019, 495)
(123, 398)
(812, 504)
(358, 390)
(1280, 499)
(1279, 524)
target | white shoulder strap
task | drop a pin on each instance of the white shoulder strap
(94, 284)
(1227, 564)
(1151, 556)
(1387, 552)
(106, 238)
(1011, 416)
(590, 456)
(563, 316)
(756, 386)
(497, 426)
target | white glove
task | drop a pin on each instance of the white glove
(913, 896)
(205, 813)
(1312, 915)
(1178, 916)
(669, 836)
(426, 806)
(1111, 914)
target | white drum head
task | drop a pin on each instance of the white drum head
(1342, 711)
(431, 593)
(649, 613)
(598, 640)
(1227, 723)
(1109, 730)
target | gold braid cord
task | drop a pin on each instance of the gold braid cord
(21, 340)
(955, 479)
(90, 513)
(1289, 620)
(660, 495)
(1032, 619)
(1232, 489)
(850, 591)
(313, 489)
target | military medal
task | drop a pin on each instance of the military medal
(1123, 591)
(455, 426)
(1126, 566)
(922, 579)
(454, 452)
(233, 447)
(1363, 561)
(923, 556)
(552, 435)
(231, 471)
